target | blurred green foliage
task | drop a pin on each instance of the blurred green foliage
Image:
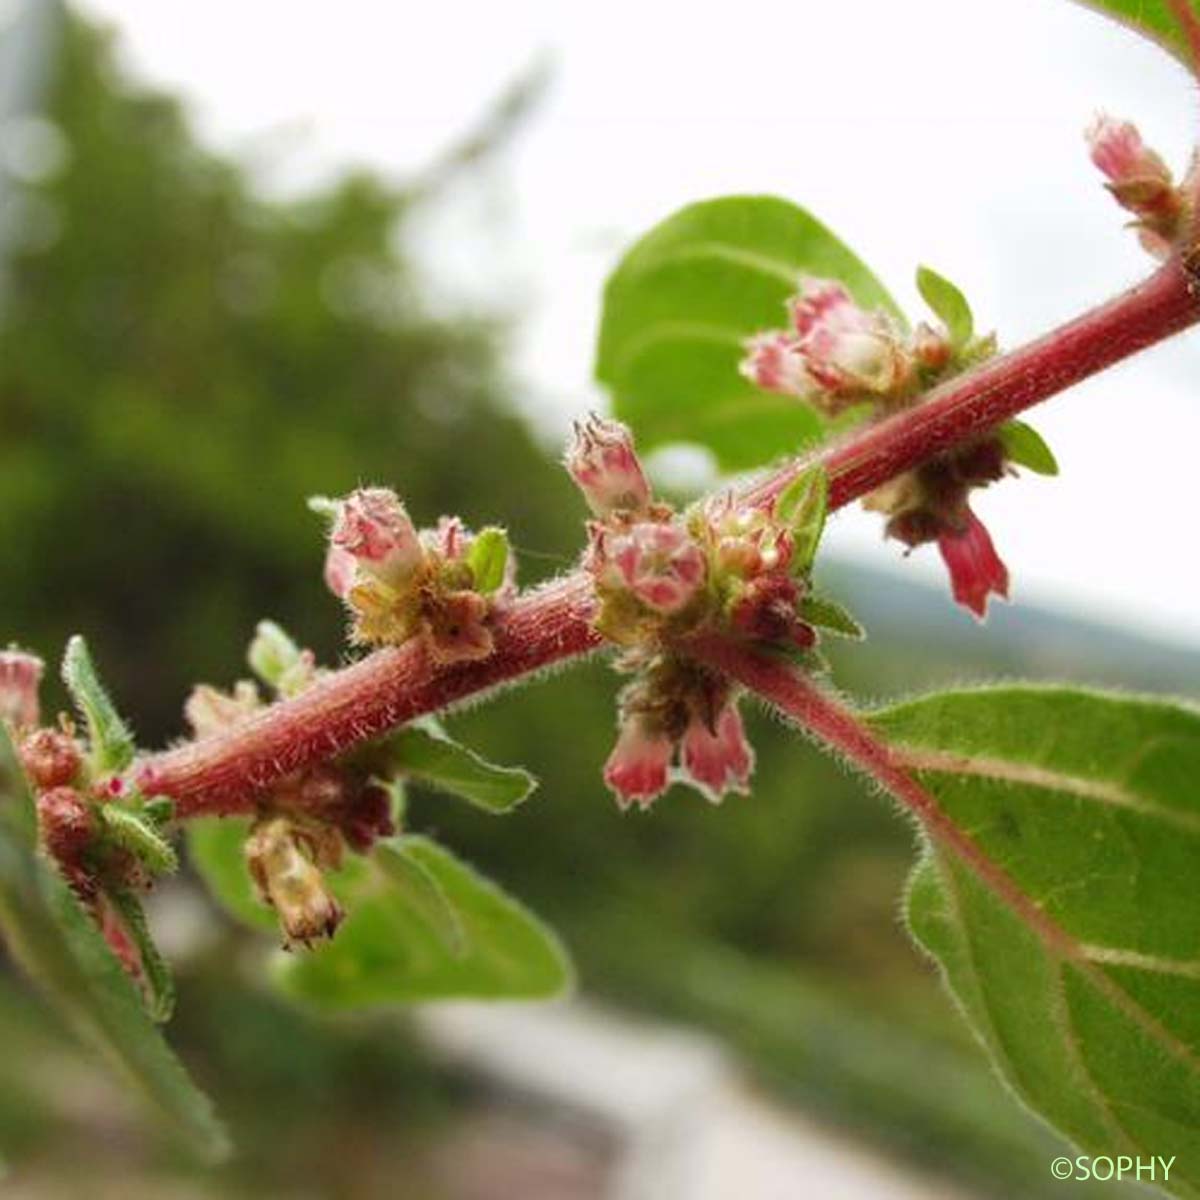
(181, 364)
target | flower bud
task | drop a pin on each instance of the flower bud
(368, 818)
(1139, 180)
(719, 759)
(636, 770)
(775, 363)
(208, 710)
(834, 351)
(20, 678)
(67, 826)
(844, 346)
(50, 758)
(931, 348)
(658, 563)
(976, 570)
(373, 527)
(604, 465)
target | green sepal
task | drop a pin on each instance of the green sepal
(949, 305)
(829, 615)
(802, 506)
(272, 653)
(139, 835)
(487, 558)
(1027, 448)
(110, 740)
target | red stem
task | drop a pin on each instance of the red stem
(965, 407)
(551, 625)
(221, 773)
(818, 713)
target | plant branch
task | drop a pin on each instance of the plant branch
(222, 773)
(971, 404)
(551, 625)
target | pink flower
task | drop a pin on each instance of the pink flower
(775, 362)
(846, 346)
(975, 568)
(637, 767)
(340, 570)
(373, 528)
(1139, 180)
(658, 562)
(718, 760)
(833, 348)
(1118, 151)
(603, 463)
(20, 678)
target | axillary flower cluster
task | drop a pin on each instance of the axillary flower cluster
(441, 585)
(839, 357)
(662, 576)
(105, 836)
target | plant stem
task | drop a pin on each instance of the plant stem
(971, 404)
(221, 773)
(819, 714)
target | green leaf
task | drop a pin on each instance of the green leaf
(487, 559)
(828, 614)
(1027, 448)
(112, 745)
(272, 653)
(391, 950)
(948, 304)
(802, 506)
(1152, 19)
(682, 302)
(59, 947)
(1083, 977)
(426, 752)
(423, 893)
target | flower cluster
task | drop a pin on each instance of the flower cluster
(931, 504)
(837, 355)
(441, 585)
(662, 576)
(103, 837)
(305, 822)
(676, 709)
(1140, 181)
(834, 354)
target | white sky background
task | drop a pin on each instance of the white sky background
(938, 131)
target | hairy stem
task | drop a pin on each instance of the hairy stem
(818, 713)
(971, 404)
(551, 625)
(221, 773)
